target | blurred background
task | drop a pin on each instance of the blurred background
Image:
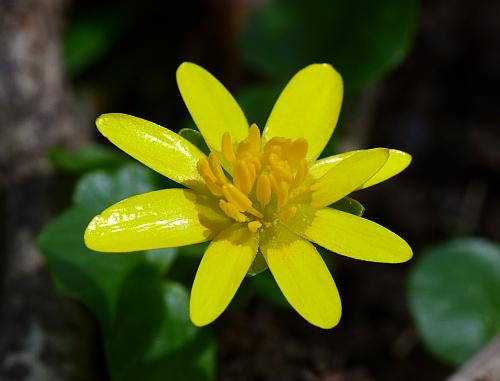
(423, 77)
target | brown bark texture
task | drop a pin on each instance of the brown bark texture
(36, 113)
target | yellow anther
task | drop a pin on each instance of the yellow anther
(277, 150)
(284, 171)
(282, 194)
(255, 212)
(252, 170)
(242, 177)
(253, 226)
(243, 150)
(257, 164)
(236, 197)
(227, 148)
(213, 187)
(254, 139)
(277, 174)
(297, 151)
(287, 214)
(239, 200)
(274, 159)
(278, 141)
(216, 168)
(274, 181)
(210, 179)
(231, 211)
(302, 171)
(263, 190)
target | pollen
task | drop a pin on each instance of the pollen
(256, 182)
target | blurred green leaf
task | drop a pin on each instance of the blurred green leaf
(196, 251)
(144, 320)
(349, 205)
(163, 259)
(258, 100)
(99, 189)
(89, 157)
(454, 296)
(89, 37)
(266, 287)
(362, 39)
(194, 136)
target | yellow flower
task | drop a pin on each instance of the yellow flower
(252, 193)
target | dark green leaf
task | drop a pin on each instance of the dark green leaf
(349, 205)
(88, 38)
(162, 258)
(362, 39)
(257, 102)
(454, 296)
(98, 190)
(265, 286)
(89, 157)
(144, 321)
(194, 136)
(259, 265)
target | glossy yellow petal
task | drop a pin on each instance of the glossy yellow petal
(302, 276)
(349, 235)
(155, 146)
(165, 218)
(397, 162)
(221, 271)
(308, 107)
(211, 106)
(347, 176)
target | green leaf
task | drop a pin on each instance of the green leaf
(99, 189)
(155, 340)
(259, 265)
(349, 205)
(265, 286)
(163, 259)
(88, 38)
(144, 320)
(89, 157)
(257, 101)
(362, 39)
(194, 136)
(454, 296)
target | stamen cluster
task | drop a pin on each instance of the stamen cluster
(263, 181)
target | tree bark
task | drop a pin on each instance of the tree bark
(36, 113)
(484, 366)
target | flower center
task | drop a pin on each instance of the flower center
(265, 180)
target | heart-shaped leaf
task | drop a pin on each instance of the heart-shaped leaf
(454, 296)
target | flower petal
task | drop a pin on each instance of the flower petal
(347, 176)
(211, 105)
(155, 146)
(349, 235)
(308, 107)
(396, 163)
(165, 218)
(302, 276)
(221, 271)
